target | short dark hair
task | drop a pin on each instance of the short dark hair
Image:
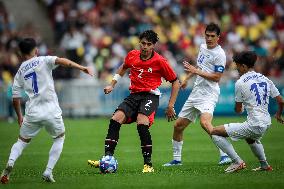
(212, 27)
(245, 57)
(26, 45)
(150, 35)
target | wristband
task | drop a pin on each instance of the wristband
(116, 77)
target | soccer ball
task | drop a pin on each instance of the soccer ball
(108, 164)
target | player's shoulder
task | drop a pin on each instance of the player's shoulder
(133, 52)
(158, 56)
(239, 82)
(220, 51)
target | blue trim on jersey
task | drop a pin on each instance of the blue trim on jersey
(219, 69)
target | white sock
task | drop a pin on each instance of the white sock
(177, 147)
(16, 151)
(222, 153)
(54, 154)
(227, 147)
(258, 151)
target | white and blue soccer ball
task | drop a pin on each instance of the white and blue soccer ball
(108, 164)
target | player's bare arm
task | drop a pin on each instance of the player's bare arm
(184, 82)
(170, 111)
(68, 63)
(239, 107)
(17, 107)
(209, 76)
(120, 73)
(280, 103)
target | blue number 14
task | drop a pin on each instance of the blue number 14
(32, 76)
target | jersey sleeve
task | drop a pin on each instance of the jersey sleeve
(220, 63)
(274, 92)
(17, 86)
(127, 59)
(50, 61)
(238, 93)
(167, 71)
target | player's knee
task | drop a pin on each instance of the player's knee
(62, 136)
(250, 141)
(179, 126)
(206, 126)
(142, 120)
(203, 122)
(26, 140)
(119, 116)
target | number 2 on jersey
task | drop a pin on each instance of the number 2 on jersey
(32, 76)
(140, 74)
(260, 90)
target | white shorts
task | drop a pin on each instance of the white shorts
(54, 127)
(237, 131)
(191, 111)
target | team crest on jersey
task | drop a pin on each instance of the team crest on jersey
(150, 70)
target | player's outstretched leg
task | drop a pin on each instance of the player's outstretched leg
(5, 176)
(16, 152)
(110, 142)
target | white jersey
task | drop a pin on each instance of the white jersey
(211, 61)
(253, 90)
(35, 78)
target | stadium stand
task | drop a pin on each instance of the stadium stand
(99, 33)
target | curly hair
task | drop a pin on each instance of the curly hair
(149, 35)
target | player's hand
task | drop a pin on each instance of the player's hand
(20, 120)
(170, 113)
(89, 71)
(279, 118)
(108, 89)
(183, 84)
(189, 68)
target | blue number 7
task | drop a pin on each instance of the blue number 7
(32, 75)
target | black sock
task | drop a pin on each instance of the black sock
(112, 137)
(146, 143)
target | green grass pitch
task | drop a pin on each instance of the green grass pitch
(85, 140)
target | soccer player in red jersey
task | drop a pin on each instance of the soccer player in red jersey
(146, 70)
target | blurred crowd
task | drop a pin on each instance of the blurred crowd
(99, 33)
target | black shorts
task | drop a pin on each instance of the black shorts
(143, 102)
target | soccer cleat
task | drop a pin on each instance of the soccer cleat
(6, 174)
(147, 169)
(172, 163)
(224, 160)
(269, 168)
(48, 177)
(94, 163)
(234, 167)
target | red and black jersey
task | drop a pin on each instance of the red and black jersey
(146, 75)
